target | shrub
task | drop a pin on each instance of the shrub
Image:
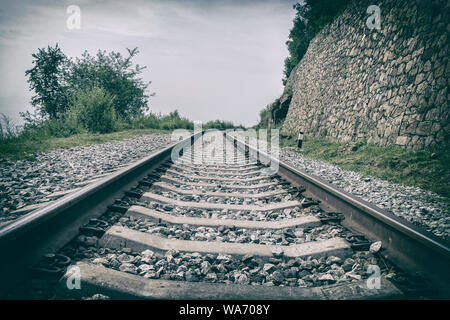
(93, 110)
(47, 80)
(115, 74)
(55, 79)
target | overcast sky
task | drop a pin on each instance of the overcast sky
(208, 59)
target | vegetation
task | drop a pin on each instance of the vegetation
(265, 116)
(24, 146)
(427, 169)
(82, 100)
(91, 110)
(57, 133)
(311, 16)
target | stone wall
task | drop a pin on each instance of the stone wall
(387, 86)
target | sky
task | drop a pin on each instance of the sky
(208, 59)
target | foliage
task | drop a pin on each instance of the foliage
(47, 80)
(117, 76)
(92, 94)
(264, 116)
(220, 125)
(93, 110)
(56, 79)
(311, 16)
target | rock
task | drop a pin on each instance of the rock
(348, 264)
(128, 267)
(168, 257)
(303, 273)
(326, 277)
(247, 258)
(101, 261)
(277, 277)
(277, 252)
(292, 272)
(307, 265)
(301, 283)
(114, 263)
(190, 276)
(332, 259)
(255, 271)
(353, 276)
(161, 263)
(147, 253)
(306, 203)
(150, 275)
(144, 268)
(205, 267)
(241, 279)
(298, 233)
(223, 257)
(211, 277)
(98, 296)
(220, 268)
(375, 247)
(124, 258)
(167, 207)
(268, 267)
(146, 259)
(179, 276)
(254, 238)
(91, 241)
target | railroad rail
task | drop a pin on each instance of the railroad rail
(210, 224)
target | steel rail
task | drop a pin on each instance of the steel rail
(24, 241)
(411, 248)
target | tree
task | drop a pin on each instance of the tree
(117, 76)
(46, 79)
(93, 110)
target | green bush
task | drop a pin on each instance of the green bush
(174, 121)
(55, 79)
(93, 110)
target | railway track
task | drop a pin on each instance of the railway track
(212, 224)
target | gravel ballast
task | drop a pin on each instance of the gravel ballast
(26, 182)
(222, 268)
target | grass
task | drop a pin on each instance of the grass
(425, 169)
(24, 147)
